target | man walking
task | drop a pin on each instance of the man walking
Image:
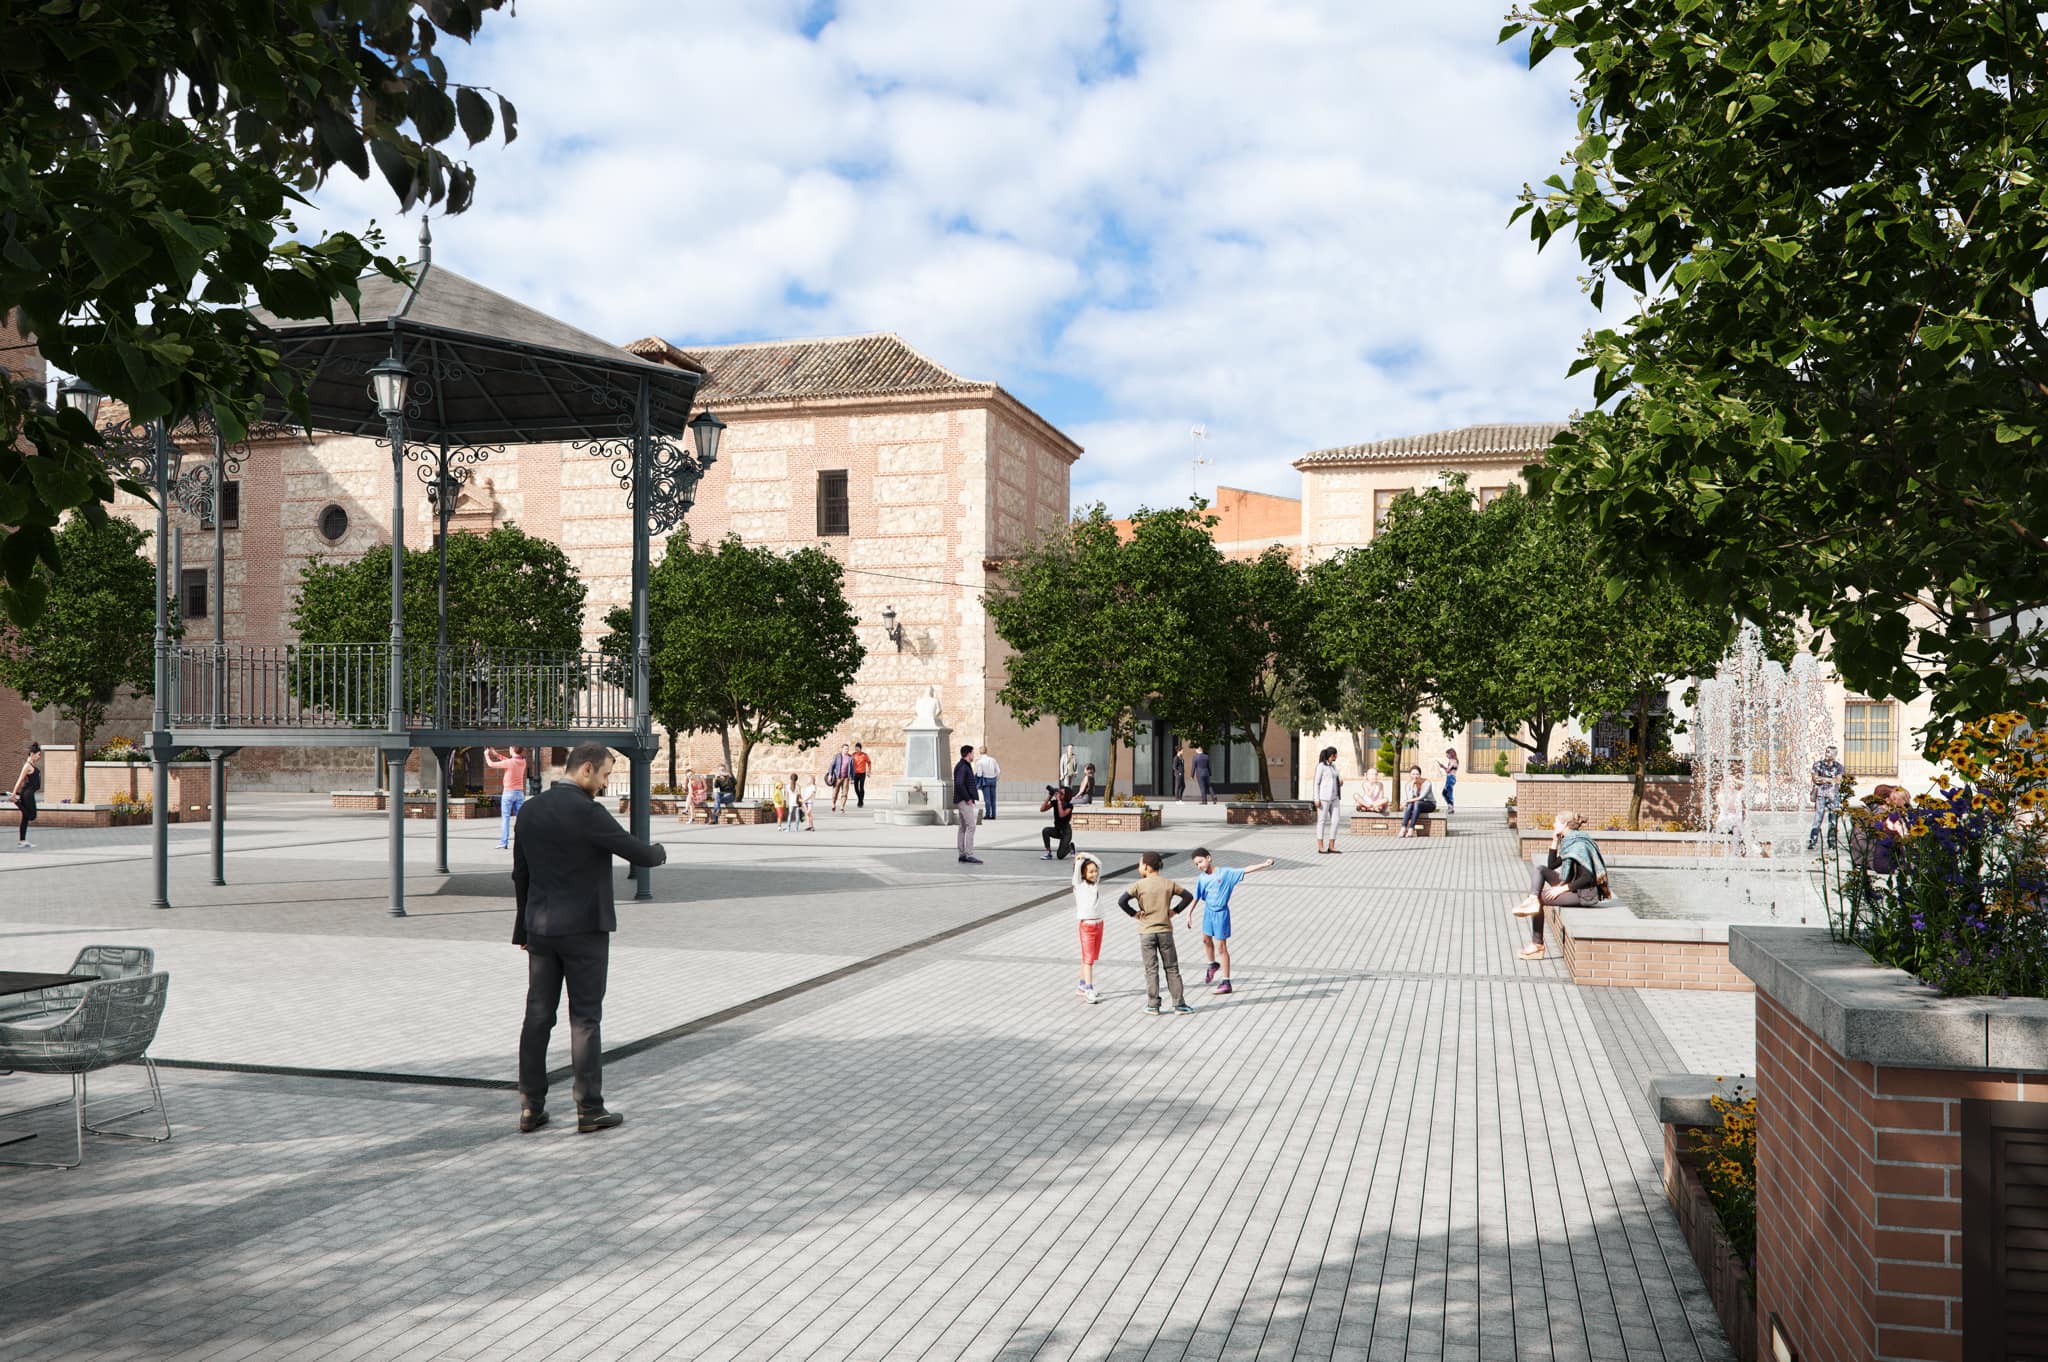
(562, 853)
(1200, 766)
(966, 803)
(986, 774)
(512, 789)
(839, 775)
(861, 764)
(1827, 800)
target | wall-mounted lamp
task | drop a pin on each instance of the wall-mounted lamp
(891, 627)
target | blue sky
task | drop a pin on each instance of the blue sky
(1286, 222)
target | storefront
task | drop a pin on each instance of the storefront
(1146, 766)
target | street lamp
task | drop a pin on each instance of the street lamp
(706, 430)
(388, 382)
(75, 394)
(389, 379)
(891, 628)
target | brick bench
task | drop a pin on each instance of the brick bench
(1389, 825)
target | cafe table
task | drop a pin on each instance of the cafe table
(21, 981)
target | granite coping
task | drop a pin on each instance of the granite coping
(1872, 1014)
(1614, 922)
(1621, 780)
(1688, 1099)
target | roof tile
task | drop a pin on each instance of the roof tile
(1524, 440)
(841, 366)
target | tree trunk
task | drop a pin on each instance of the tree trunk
(671, 756)
(84, 733)
(1635, 803)
(1358, 750)
(1259, 750)
(725, 745)
(1109, 785)
(740, 771)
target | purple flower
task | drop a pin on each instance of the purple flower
(1919, 922)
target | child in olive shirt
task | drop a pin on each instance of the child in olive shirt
(1153, 901)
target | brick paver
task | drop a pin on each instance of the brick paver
(1395, 1140)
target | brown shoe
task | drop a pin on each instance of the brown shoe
(532, 1119)
(602, 1120)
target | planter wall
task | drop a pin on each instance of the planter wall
(1389, 825)
(191, 785)
(1095, 818)
(1633, 848)
(663, 804)
(1727, 1278)
(460, 807)
(1280, 813)
(89, 816)
(1610, 947)
(1539, 799)
(1869, 1089)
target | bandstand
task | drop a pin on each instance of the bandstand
(445, 373)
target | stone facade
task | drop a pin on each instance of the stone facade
(943, 476)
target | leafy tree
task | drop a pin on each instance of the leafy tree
(95, 634)
(1830, 402)
(1100, 628)
(668, 708)
(507, 590)
(155, 151)
(1264, 655)
(1657, 634)
(750, 641)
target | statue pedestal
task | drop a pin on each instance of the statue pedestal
(922, 795)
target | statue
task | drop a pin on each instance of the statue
(927, 715)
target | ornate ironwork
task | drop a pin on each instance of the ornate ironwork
(131, 452)
(673, 473)
(193, 491)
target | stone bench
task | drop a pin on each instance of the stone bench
(1389, 825)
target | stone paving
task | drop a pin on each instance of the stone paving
(1395, 1140)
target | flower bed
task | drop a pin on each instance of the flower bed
(1540, 797)
(1715, 1205)
(1270, 813)
(1953, 888)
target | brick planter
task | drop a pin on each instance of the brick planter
(416, 806)
(1634, 848)
(191, 783)
(1885, 1119)
(1293, 813)
(1683, 1109)
(1610, 947)
(662, 804)
(1539, 799)
(1389, 825)
(1095, 818)
(87, 816)
(745, 814)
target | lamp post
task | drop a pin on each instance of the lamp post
(890, 628)
(389, 380)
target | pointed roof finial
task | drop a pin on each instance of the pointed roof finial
(426, 242)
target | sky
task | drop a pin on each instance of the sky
(1285, 222)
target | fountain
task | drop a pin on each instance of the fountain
(1758, 729)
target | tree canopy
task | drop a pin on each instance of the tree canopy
(1264, 656)
(1830, 402)
(748, 641)
(95, 635)
(155, 152)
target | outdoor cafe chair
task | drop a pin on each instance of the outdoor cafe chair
(104, 962)
(112, 1022)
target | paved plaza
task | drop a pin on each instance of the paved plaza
(867, 1115)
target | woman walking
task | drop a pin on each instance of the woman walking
(26, 786)
(1571, 872)
(1329, 797)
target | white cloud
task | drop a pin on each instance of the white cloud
(1284, 218)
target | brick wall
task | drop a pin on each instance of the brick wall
(1617, 963)
(1599, 798)
(1859, 1190)
(1726, 1280)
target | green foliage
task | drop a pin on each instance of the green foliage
(1833, 210)
(506, 589)
(1099, 628)
(155, 151)
(95, 634)
(1500, 763)
(1388, 758)
(1264, 656)
(748, 640)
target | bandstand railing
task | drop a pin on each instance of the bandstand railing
(333, 686)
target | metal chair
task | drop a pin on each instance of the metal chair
(113, 1022)
(105, 962)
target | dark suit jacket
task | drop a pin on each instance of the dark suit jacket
(965, 788)
(562, 849)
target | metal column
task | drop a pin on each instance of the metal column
(159, 704)
(217, 775)
(441, 754)
(443, 765)
(395, 752)
(641, 757)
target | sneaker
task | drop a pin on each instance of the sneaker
(1093, 996)
(598, 1120)
(1151, 1009)
(1210, 977)
(24, 846)
(1182, 1007)
(1046, 857)
(1081, 988)
(1223, 987)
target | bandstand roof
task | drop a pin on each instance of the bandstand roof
(487, 369)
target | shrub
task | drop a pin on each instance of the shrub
(120, 749)
(1125, 802)
(1954, 889)
(1500, 763)
(124, 803)
(1727, 1164)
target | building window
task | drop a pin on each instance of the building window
(1409, 755)
(333, 524)
(1383, 502)
(834, 511)
(192, 593)
(1489, 495)
(230, 508)
(1486, 747)
(1870, 738)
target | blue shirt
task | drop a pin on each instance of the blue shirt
(1213, 889)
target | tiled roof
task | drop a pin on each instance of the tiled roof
(1527, 440)
(782, 371)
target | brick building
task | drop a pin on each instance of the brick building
(914, 478)
(20, 362)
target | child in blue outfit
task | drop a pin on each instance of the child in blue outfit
(1213, 889)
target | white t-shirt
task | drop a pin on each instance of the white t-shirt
(986, 768)
(810, 791)
(1088, 897)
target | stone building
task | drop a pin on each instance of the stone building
(915, 479)
(1345, 495)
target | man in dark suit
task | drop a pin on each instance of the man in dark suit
(966, 804)
(562, 849)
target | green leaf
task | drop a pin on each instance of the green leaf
(475, 112)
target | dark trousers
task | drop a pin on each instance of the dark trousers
(860, 791)
(1202, 779)
(1063, 829)
(27, 804)
(581, 959)
(1180, 783)
(1158, 949)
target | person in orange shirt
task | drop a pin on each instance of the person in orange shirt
(862, 763)
(513, 763)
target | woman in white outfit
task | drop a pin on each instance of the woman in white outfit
(1329, 797)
